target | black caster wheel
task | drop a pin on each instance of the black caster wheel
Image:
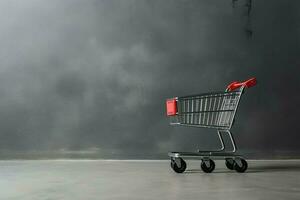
(208, 165)
(240, 165)
(174, 165)
(229, 162)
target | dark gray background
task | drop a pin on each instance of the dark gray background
(90, 78)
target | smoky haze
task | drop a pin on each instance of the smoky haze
(93, 76)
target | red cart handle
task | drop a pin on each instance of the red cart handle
(235, 85)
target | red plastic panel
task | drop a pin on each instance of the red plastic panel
(171, 107)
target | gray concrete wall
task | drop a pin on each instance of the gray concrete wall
(92, 76)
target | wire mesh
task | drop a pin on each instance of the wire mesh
(211, 110)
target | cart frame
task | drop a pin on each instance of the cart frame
(185, 113)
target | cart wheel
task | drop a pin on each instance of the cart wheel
(176, 168)
(208, 165)
(240, 165)
(229, 162)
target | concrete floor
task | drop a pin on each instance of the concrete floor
(137, 180)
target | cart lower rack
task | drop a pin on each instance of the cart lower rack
(211, 110)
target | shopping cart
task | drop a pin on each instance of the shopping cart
(211, 110)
